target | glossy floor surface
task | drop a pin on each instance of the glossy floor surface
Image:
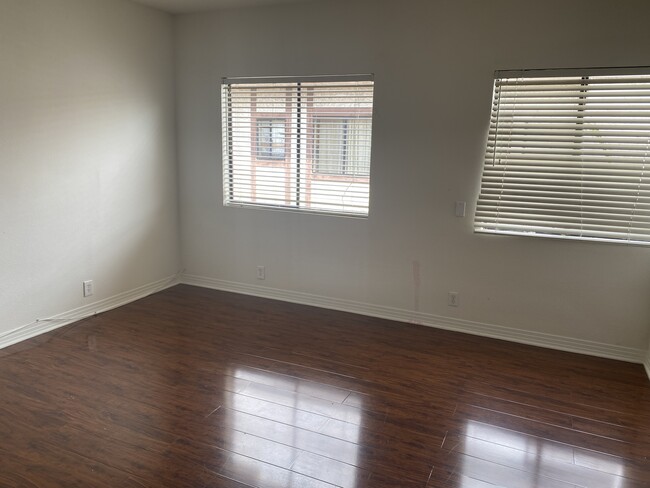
(198, 388)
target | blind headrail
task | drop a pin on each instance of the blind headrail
(297, 79)
(569, 72)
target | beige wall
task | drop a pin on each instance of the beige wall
(433, 62)
(88, 183)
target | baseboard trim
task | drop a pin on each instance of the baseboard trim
(448, 323)
(646, 363)
(42, 326)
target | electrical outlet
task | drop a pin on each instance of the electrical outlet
(88, 288)
(261, 273)
(452, 299)
(460, 209)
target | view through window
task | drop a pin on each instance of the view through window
(298, 143)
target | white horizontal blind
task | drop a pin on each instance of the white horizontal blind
(568, 156)
(298, 143)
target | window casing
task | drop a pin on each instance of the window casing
(298, 143)
(568, 156)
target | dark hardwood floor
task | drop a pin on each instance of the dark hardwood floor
(198, 388)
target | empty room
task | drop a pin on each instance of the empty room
(324, 243)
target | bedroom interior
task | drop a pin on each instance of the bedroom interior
(153, 336)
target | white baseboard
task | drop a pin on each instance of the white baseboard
(41, 326)
(647, 365)
(477, 328)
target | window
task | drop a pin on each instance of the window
(342, 146)
(271, 139)
(298, 143)
(567, 156)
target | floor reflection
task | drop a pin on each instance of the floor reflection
(285, 431)
(500, 456)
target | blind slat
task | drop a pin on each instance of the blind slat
(298, 144)
(568, 157)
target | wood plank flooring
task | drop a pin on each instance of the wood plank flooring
(198, 388)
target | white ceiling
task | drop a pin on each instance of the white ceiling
(187, 6)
